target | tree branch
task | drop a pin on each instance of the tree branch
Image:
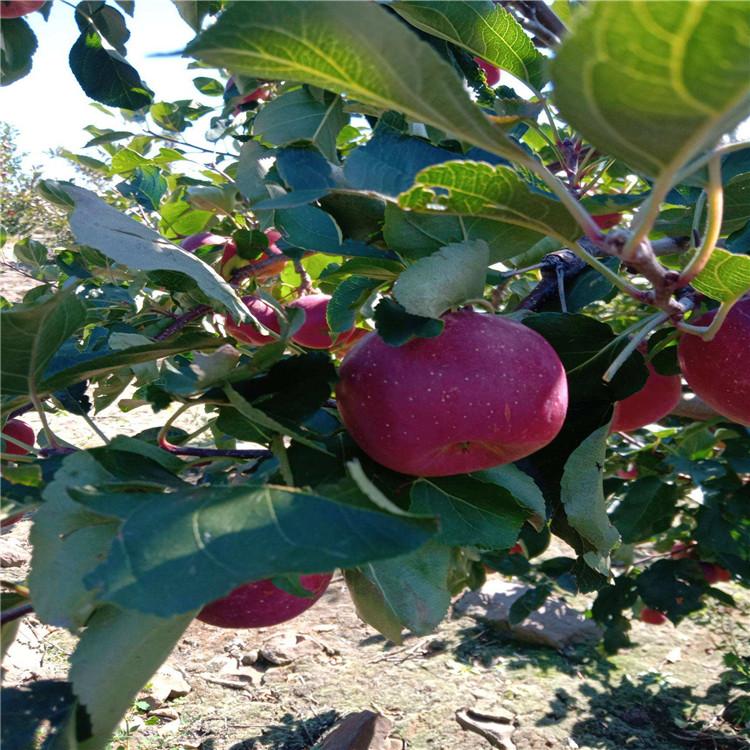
(182, 321)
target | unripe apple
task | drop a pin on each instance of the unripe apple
(652, 616)
(261, 604)
(18, 8)
(230, 261)
(607, 221)
(491, 72)
(18, 429)
(249, 333)
(486, 391)
(714, 573)
(194, 241)
(719, 370)
(657, 398)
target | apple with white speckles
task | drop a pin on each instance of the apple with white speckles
(486, 391)
(719, 370)
(262, 603)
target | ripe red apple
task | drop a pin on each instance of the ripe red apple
(347, 340)
(719, 370)
(249, 333)
(230, 261)
(18, 429)
(607, 221)
(18, 8)
(652, 616)
(655, 400)
(491, 72)
(486, 391)
(194, 241)
(714, 573)
(261, 603)
(630, 473)
(314, 332)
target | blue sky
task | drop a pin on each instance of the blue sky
(48, 106)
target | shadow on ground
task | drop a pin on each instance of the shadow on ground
(291, 733)
(610, 711)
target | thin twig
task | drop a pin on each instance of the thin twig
(15, 613)
(182, 321)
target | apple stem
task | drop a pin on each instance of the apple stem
(306, 285)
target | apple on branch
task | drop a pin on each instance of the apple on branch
(718, 371)
(262, 603)
(18, 8)
(231, 262)
(18, 429)
(486, 391)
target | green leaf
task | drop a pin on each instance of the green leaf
(415, 235)
(106, 20)
(347, 298)
(674, 587)
(193, 12)
(68, 542)
(485, 29)
(450, 277)
(523, 488)
(415, 585)
(530, 601)
(30, 251)
(647, 508)
(725, 277)
(32, 336)
(129, 357)
(17, 47)
(117, 654)
(250, 172)
(310, 228)
(147, 187)
(655, 83)
(371, 606)
(357, 49)
(471, 512)
(469, 188)
(126, 241)
(105, 76)
(299, 116)
(226, 536)
(582, 496)
(396, 326)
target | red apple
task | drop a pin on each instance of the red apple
(516, 549)
(260, 604)
(607, 221)
(18, 8)
(194, 241)
(314, 332)
(714, 573)
(630, 473)
(249, 333)
(486, 391)
(719, 370)
(652, 616)
(230, 261)
(655, 400)
(18, 429)
(491, 72)
(346, 341)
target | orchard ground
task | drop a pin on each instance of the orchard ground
(650, 697)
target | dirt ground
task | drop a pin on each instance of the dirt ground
(651, 697)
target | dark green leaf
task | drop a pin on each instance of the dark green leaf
(530, 601)
(108, 21)
(17, 47)
(647, 508)
(105, 76)
(227, 536)
(396, 326)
